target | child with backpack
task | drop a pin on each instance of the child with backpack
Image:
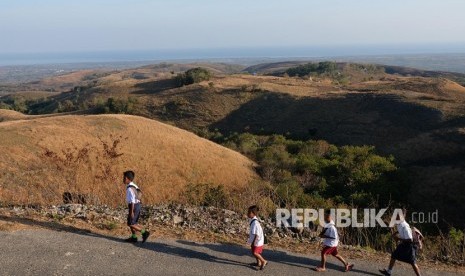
(133, 196)
(409, 241)
(330, 243)
(256, 237)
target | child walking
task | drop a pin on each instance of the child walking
(406, 249)
(134, 206)
(256, 237)
(330, 243)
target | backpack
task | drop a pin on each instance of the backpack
(265, 239)
(417, 238)
(137, 191)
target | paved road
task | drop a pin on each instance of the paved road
(48, 252)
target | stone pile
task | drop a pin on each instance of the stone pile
(199, 218)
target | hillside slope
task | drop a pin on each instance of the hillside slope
(45, 157)
(416, 116)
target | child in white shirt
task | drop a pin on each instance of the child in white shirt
(330, 243)
(406, 249)
(256, 237)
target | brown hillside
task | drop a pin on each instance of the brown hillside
(43, 158)
(8, 115)
(416, 118)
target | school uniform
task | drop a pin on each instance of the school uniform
(131, 198)
(406, 249)
(330, 244)
(256, 229)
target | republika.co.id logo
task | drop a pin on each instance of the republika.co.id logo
(301, 218)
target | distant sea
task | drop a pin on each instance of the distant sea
(224, 53)
(433, 57)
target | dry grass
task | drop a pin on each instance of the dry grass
(400, 115)
(11, 115)
(8, 115)
(70, 78)
(292, 86)
(42, 158)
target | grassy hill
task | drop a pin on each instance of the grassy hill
(279, 68)
(44, 157)
(417, 116)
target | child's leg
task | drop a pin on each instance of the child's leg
(347, 266)
(260, 259)
(257, 261)
(392, 263)
(388, 271)
(323, 260)
(416, 269)
(340, 258)
(136, 228)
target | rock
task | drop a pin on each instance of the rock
(72, 208)
(81, 215)
(18, 210)
(229, 213)
(177, 219)
(52, 211)
(199, 218)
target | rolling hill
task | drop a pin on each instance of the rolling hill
(42, 158)
(416, 116)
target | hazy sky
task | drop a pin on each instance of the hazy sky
(94, 25)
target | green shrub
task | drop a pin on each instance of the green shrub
(66, 106)
(4, 106)
(192, 76)
(350, 174)
(456, 237)
(326, 67)
(116, 106)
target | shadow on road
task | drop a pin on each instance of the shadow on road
(55, 226)
(188, 253)
(274, 256)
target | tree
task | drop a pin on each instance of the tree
(325, 67)
(358, 173)
(192, 76)
(349, 174)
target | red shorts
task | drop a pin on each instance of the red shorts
(329, 251)
(257, 249)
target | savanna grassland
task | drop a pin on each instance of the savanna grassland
(412, 120)
(44, 157)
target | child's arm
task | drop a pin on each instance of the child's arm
(252, 239)
(130, 193)
(396, 235)
(322, 234)
(131, 210)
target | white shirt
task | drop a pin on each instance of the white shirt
(405, 232)
(331, 231)
(256, 229)
(130, 194)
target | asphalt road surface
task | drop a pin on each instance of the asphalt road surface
(48, 252)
